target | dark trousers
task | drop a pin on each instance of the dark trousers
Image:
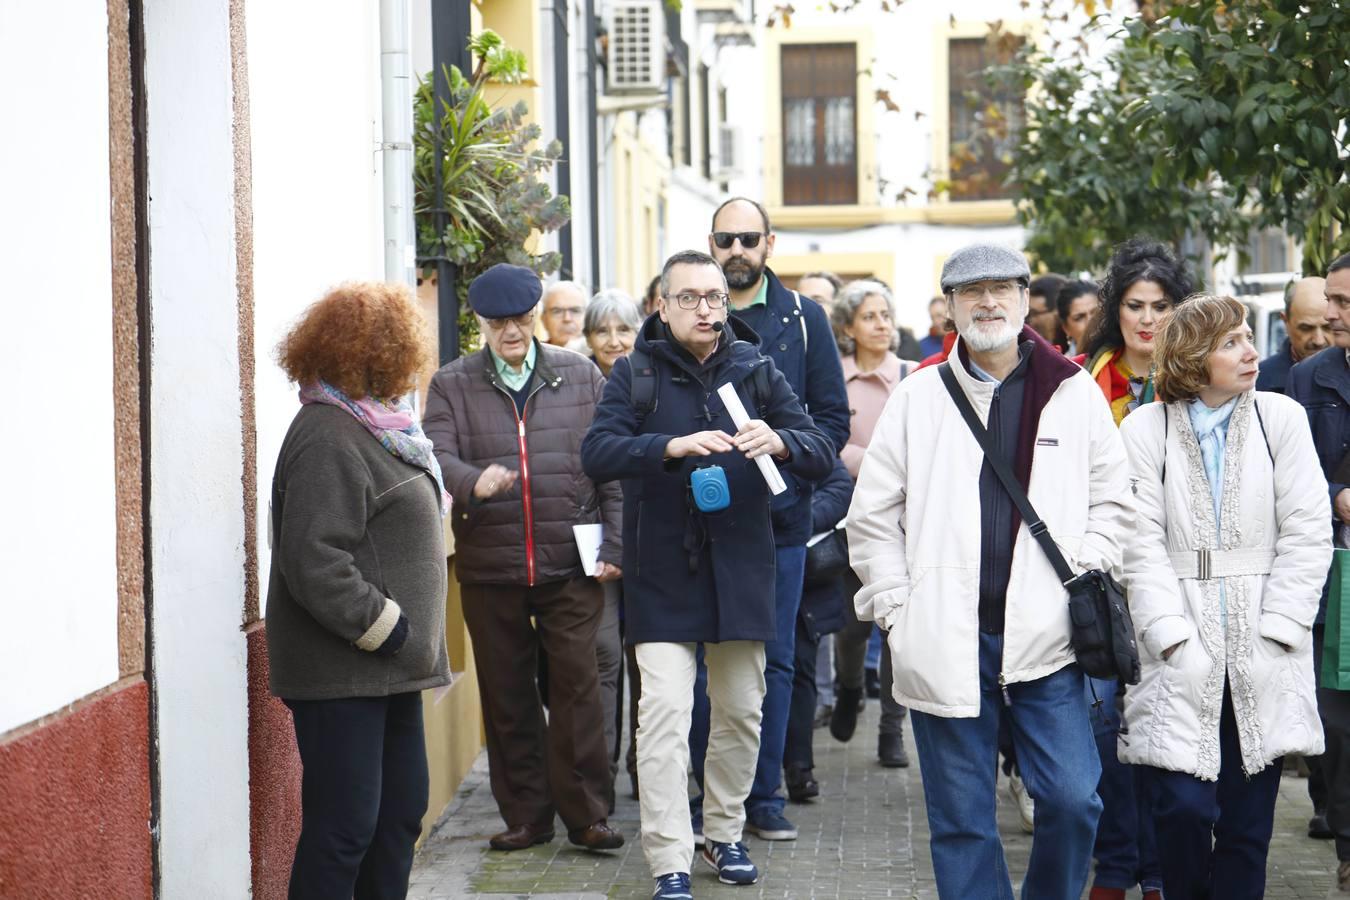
(1332, 769)
(1213, 837)
(802, 710)
(362, 797)
(537, 768)
(1126, 847)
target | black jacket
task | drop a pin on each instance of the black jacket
(1275, 370)
(690, 576)
(822, 609)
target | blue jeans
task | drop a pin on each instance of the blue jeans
(1057, 757)
(1213, 837)
(1126, 848)
(779, 664)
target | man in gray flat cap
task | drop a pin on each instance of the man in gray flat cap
(976, 619)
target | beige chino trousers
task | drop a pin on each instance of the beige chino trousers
(736, 694)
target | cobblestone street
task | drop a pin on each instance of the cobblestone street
(865, 837)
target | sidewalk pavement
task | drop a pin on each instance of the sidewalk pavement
(865, 837)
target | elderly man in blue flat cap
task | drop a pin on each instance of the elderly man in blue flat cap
(507, 423)
(976, 619)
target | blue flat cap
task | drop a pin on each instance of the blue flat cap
(983, 262)
(504, 291)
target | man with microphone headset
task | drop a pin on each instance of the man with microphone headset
(699, 550)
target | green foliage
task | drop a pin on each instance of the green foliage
(490, 168)
(1259, 97)
(1088, 178)
(1204, 118)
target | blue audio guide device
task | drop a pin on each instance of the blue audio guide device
(709, 485)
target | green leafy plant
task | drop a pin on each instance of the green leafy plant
(490, 168)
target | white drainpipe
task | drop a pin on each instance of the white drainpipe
(396, 93)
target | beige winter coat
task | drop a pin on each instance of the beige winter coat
(1275, 516)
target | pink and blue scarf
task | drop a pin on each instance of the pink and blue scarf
(395, 427)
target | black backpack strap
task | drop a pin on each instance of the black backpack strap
(1256, 404)
(760, 389)
(642, 384)
(1005, 474)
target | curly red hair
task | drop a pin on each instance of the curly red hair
(365, 338)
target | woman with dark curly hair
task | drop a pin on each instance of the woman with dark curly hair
(1144, 282)
(356, 599)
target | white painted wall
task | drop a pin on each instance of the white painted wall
(316, 186)
(60, 638)
(197, 552)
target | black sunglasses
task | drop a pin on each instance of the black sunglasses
(749, 239)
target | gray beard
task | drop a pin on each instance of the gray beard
(986, 341)
(740, 279)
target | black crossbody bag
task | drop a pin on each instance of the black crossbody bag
(1101, 631)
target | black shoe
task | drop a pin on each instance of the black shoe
(872, 681)
(801, 783)
(891, 751)
(1318, 827)
(844, 719)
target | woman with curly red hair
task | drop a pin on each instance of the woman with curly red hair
(356, 599)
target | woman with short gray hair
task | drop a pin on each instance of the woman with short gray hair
(611, 326)
(864, 326)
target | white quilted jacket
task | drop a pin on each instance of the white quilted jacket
(1263, 644)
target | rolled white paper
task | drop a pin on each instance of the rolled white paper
(732, 401)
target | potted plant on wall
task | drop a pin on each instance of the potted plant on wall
(490, 168)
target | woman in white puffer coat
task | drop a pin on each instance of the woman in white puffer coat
(1224, 574)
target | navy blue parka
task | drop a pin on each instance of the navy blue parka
(810, 363)
(690, 576)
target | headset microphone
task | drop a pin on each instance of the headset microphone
(718, 327)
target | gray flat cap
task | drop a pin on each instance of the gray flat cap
(983, 262)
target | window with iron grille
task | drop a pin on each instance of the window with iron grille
(820, 123)
(985, 118)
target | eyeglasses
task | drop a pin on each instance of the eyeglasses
(999, 290)
(525, 322)
(564, 311)
(690, 300)
(749, 239)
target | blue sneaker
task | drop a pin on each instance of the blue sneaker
(673, 886)
(731, 861)
(769, 825)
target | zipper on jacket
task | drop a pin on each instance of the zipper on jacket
(525, 498)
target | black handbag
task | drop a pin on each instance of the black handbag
(827, 558)
(1101, 630)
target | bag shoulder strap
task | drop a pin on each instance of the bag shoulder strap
(1256, 404)
(642, 385)
(801, 319)
(1005, 474)
(760, 388)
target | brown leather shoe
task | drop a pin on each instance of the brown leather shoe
(596, 837)
(518, 837)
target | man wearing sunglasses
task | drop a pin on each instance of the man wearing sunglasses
(795, 333)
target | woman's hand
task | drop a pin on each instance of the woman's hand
(494, 480)
(1167, 654)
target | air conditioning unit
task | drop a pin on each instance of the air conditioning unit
(637, 47)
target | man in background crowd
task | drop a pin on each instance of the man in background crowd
(821, 287)
(1305, 319)
(564, 311)
(1042, 314)
(1076, 303)
(931, 343)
